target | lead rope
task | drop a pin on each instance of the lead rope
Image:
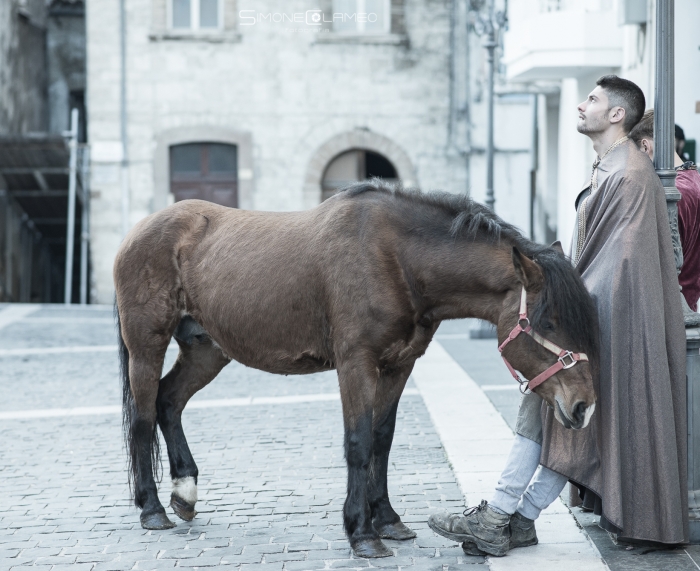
(581, 215)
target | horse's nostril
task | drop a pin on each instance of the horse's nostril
(580, 412)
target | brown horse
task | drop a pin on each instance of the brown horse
(360, 284)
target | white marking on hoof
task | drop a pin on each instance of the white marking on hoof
(185, 489)
(589, 413)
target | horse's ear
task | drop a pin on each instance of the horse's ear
(557, 246)
(528, 272)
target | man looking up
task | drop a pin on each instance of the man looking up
(630, 461)
(688, 184)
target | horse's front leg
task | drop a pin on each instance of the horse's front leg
(385, 520)
(358, 383)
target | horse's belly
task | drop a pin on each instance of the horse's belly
(281, 362)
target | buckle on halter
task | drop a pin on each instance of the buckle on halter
(563, 358)
(527, 323)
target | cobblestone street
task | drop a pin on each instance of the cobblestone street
(272, 476)
(269, 451)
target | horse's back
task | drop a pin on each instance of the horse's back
(265, 285)
(249, 278)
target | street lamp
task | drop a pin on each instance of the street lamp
(488, 23)
(664, 150)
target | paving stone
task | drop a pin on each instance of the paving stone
(311, 546)
(181, 554)
(154, 564)
(272, 488)
(54, 560)
(349, 564)
(73, 567)
(264, 548)
(200, 562)
(263, 567)
(304, 565)
(328, 554)
(295, 556)
(114, 566)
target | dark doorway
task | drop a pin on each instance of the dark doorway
(207, 171)
(353, 166)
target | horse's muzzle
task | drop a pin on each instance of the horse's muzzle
(579, 417)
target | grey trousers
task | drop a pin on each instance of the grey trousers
(524, 485)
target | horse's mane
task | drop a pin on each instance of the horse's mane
(564, 294)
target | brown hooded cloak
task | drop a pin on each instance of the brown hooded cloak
(632, 455)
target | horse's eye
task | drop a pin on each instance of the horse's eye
(547, 326)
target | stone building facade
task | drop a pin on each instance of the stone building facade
(42, 77)
(290, 93)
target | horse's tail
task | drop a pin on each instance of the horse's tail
(129, 417)
(127, 405)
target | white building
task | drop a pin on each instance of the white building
(562, 47)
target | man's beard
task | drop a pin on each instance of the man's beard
(588, 125)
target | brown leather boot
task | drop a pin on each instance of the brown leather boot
(522, 534)
(481, 525)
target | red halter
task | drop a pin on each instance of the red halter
(566, 359)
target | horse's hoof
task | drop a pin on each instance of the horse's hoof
(371, 548)
(396, 531)
(182, 509)
(157, 520)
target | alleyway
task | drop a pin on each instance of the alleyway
(269, 451)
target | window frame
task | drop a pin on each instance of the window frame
(195, 27)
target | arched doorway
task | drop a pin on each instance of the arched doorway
(352, 166)
(207, 171)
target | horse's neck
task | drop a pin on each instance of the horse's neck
(461, 278)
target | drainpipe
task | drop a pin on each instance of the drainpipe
(534, 160)
(70, 233)
(123, 116)
(84, 227)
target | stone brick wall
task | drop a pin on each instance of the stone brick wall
(295, 93)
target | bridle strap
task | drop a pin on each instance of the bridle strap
(565, 359)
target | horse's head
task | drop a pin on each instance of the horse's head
(561, 317)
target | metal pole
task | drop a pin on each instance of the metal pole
(490, 44)
(84, 227)
(486, 330)
(534, 159)
(664, 138)
(123, 117)
(70, 234)
(664, 150)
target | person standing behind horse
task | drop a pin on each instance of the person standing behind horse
(630, 462)
(688, 184)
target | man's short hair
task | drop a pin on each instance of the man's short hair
(626, 94)
(644, 129)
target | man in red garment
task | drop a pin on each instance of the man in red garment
(688, 184)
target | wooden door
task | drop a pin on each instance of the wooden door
(207, 171)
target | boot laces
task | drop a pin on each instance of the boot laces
(474, 509)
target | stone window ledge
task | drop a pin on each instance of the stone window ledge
(211, 37)
(361, 39)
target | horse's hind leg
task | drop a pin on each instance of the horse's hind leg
(199, 361)
(142, 349)
(385, 520)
